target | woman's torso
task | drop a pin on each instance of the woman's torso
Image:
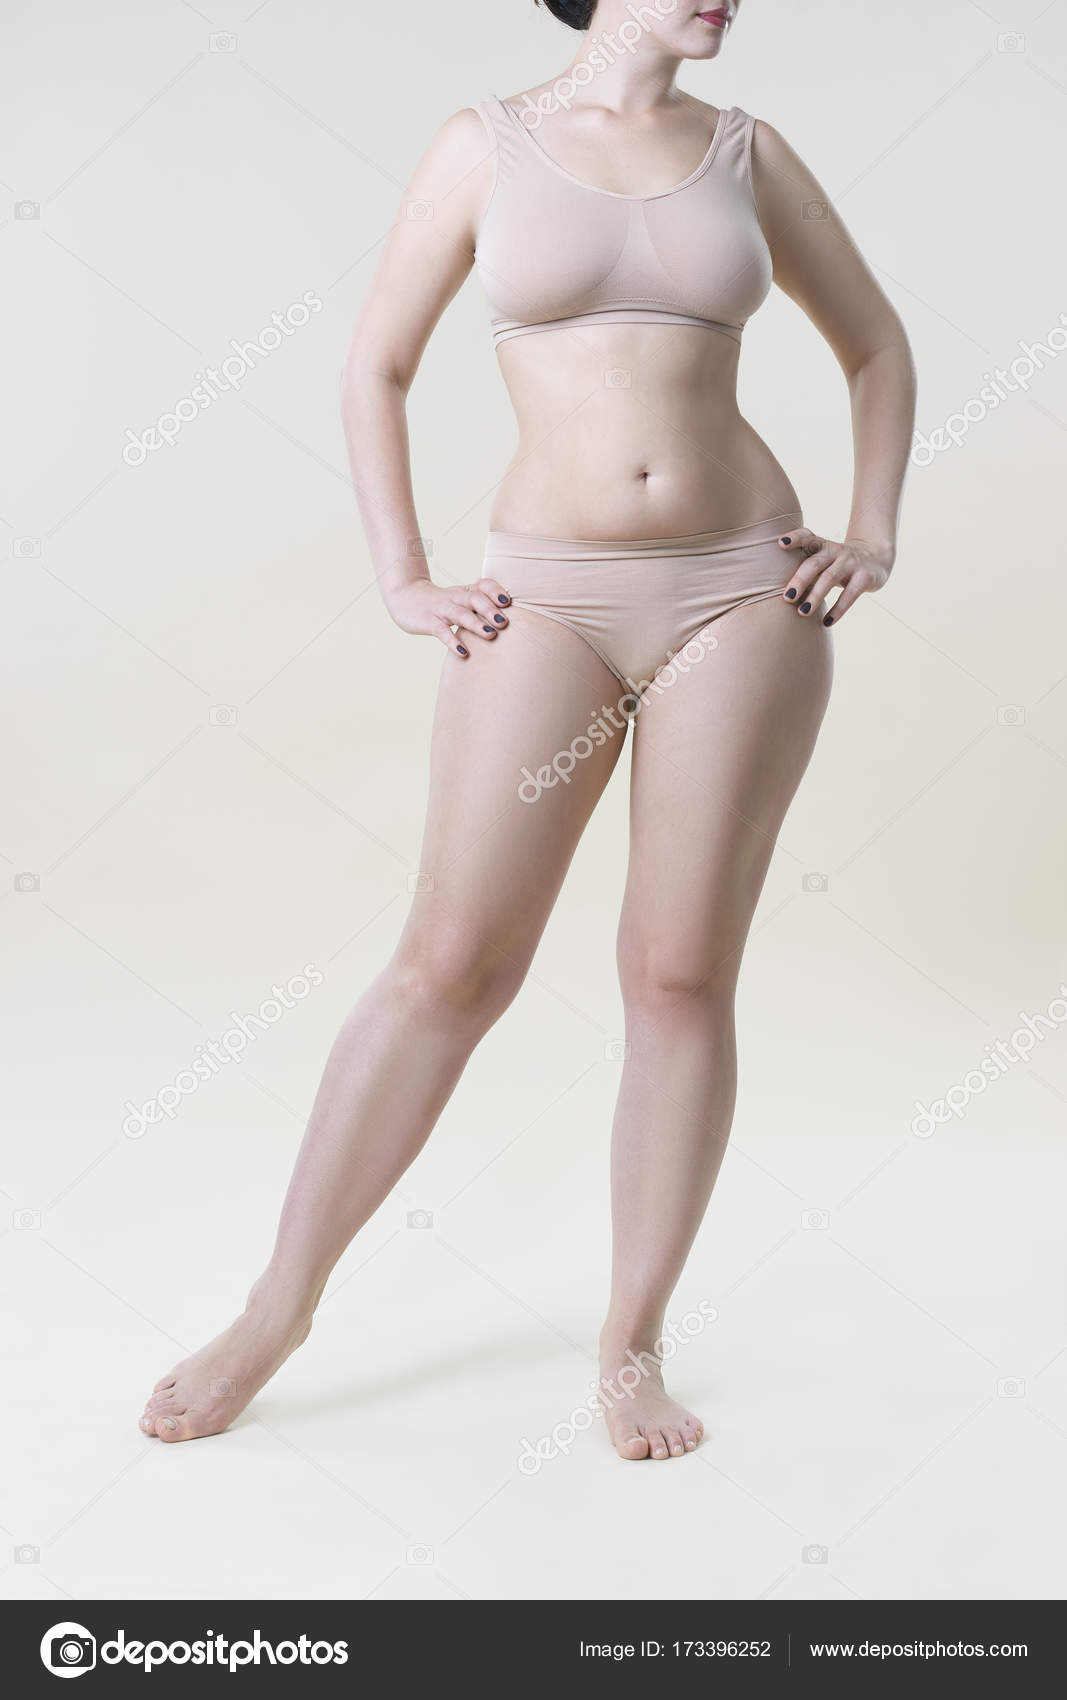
(627, 429)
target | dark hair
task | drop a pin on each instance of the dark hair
(577, 13)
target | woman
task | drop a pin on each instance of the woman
(623, 232)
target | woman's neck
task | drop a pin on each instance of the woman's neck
(624, 81)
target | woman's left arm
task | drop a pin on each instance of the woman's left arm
(819, 266)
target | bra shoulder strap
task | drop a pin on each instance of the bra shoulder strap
(502, 126)
(733, 152)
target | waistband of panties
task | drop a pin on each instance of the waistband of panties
(521, 546)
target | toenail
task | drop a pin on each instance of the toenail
(168, 1422)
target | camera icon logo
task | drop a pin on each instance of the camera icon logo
(27, 881)
(222, 715)
(618, 378)
(816, 209)
(25, 1220)
(27, 1554)
(420, 211)
(26, 548)
(1011, 42)
(815, 1221)
(421, 547)
(616, 1050)
(420, 1218)
(419, 1555)
(1010, 1387)
(223, 1388)
(27, 209)
(815, 1555)
(68, 1649)
(815, 882)
(1011, 714)
(418, 883)
(223, 42)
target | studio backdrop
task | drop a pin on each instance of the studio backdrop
(216, 754)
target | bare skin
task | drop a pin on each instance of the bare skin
(204, 1394)
(648, 1423)
(715, 765)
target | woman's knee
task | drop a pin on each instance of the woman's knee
(451, 968)
(656, 979)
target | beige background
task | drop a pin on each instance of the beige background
(890, 1384)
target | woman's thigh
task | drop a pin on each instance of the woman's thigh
(513, 781)
(718, 754)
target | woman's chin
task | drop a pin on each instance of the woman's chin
(708, 50)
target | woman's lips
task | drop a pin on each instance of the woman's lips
(719, 18)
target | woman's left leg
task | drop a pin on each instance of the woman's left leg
(718, 754)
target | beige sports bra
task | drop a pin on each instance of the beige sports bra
(553, 251)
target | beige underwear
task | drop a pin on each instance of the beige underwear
(637, 604)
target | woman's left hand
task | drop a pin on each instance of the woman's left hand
(853, 566)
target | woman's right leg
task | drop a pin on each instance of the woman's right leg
(494, 865)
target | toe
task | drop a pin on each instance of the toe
(674, 1442)
(657, 1446)
(630, 1443)
(164, 1382)
(171, 1429)
(692, 1433)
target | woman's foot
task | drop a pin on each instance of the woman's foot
(643, 1421)
(205, 1393)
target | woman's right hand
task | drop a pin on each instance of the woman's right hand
(431, 610)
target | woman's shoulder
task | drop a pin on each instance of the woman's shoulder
(771, 152)
(460, 142)
(705, 110)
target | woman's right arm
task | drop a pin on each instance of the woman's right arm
(427, 255)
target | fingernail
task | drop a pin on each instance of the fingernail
(504, 598)
(490, 630)
(805, 607)
(829, 620)
(500, 620)
(460, 650)
(787, 541)
(790, 594)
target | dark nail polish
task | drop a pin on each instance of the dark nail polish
(490, 630)
(805, 607)
(500, 620)
(790, 594)
(504, 598)
(460, 649)
(829, 620)
(787, 541)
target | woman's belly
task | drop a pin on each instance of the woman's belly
(631, 431)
